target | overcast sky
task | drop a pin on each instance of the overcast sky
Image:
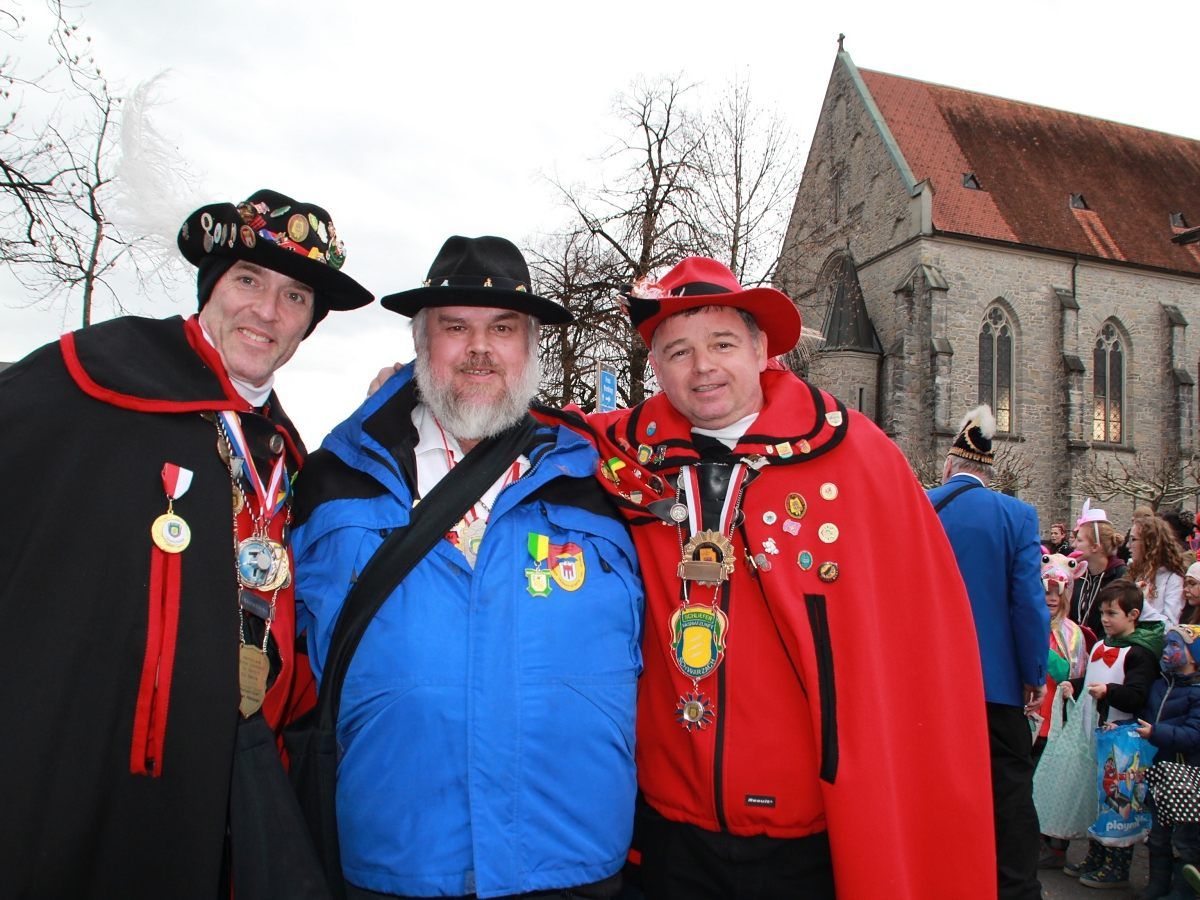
(411, 122)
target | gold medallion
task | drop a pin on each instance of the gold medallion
(253, 667)
(796, 506)
(707, 558)
(170, 533)
(297, 228)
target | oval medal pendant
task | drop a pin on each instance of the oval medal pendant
(170, 533)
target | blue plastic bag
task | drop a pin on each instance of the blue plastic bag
(1122, 759)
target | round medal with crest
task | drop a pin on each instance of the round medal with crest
(262, 564)
(171, 533)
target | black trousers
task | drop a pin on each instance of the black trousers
(1016, 821)
(683, 862)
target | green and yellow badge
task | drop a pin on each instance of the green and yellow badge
(563, 563)
(698, 639)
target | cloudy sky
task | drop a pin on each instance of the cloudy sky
(411, 122)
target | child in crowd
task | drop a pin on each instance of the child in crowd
(1120, 670)
(1067, 658)
(1191, 596)
(1171, 722)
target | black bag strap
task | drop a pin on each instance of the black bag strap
(448, 502)
(941, 504)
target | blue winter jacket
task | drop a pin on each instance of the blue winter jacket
(487, 718)
(1173, 708)
(996, 543)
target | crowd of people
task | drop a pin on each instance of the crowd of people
(1124, 618)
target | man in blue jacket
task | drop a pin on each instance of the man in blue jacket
(995, 540)
(487, 718)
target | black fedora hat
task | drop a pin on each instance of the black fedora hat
(483, 271)
(274, 231)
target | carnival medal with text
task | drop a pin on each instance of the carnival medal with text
(698, 632)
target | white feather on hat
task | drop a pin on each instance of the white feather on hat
(983, 419)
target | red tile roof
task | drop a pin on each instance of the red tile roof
(1029, 160)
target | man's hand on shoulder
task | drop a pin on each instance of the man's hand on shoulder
(384, 374)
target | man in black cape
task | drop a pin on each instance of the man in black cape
(145, 590)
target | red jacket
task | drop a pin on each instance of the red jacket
(831, 710)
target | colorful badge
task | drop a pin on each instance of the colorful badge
(566, 566)
(804, 560)
(796, 505)
(698, 639)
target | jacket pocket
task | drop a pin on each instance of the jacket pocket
(818, 622)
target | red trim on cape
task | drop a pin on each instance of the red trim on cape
(158, 665)
(232, 400)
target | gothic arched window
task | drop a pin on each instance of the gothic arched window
(996, 366)
(1108, 386)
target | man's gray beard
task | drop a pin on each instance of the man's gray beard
(467, 418)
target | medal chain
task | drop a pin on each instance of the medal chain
(733, 514)
(258, 525)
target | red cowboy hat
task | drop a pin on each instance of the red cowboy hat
(699, 281)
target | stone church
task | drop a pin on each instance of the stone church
(957, 248)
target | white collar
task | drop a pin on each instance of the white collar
(969, 475)
(437, 451)
(731, 433)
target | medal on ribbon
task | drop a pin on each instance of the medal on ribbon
(170, 532)
(261, 563)
(538, 579)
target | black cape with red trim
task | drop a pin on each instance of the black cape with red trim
(87, 424)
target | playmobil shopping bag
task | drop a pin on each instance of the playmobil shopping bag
(1122, 761)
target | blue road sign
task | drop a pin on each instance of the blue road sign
(607, 399)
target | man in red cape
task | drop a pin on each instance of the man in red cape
(810, 716)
